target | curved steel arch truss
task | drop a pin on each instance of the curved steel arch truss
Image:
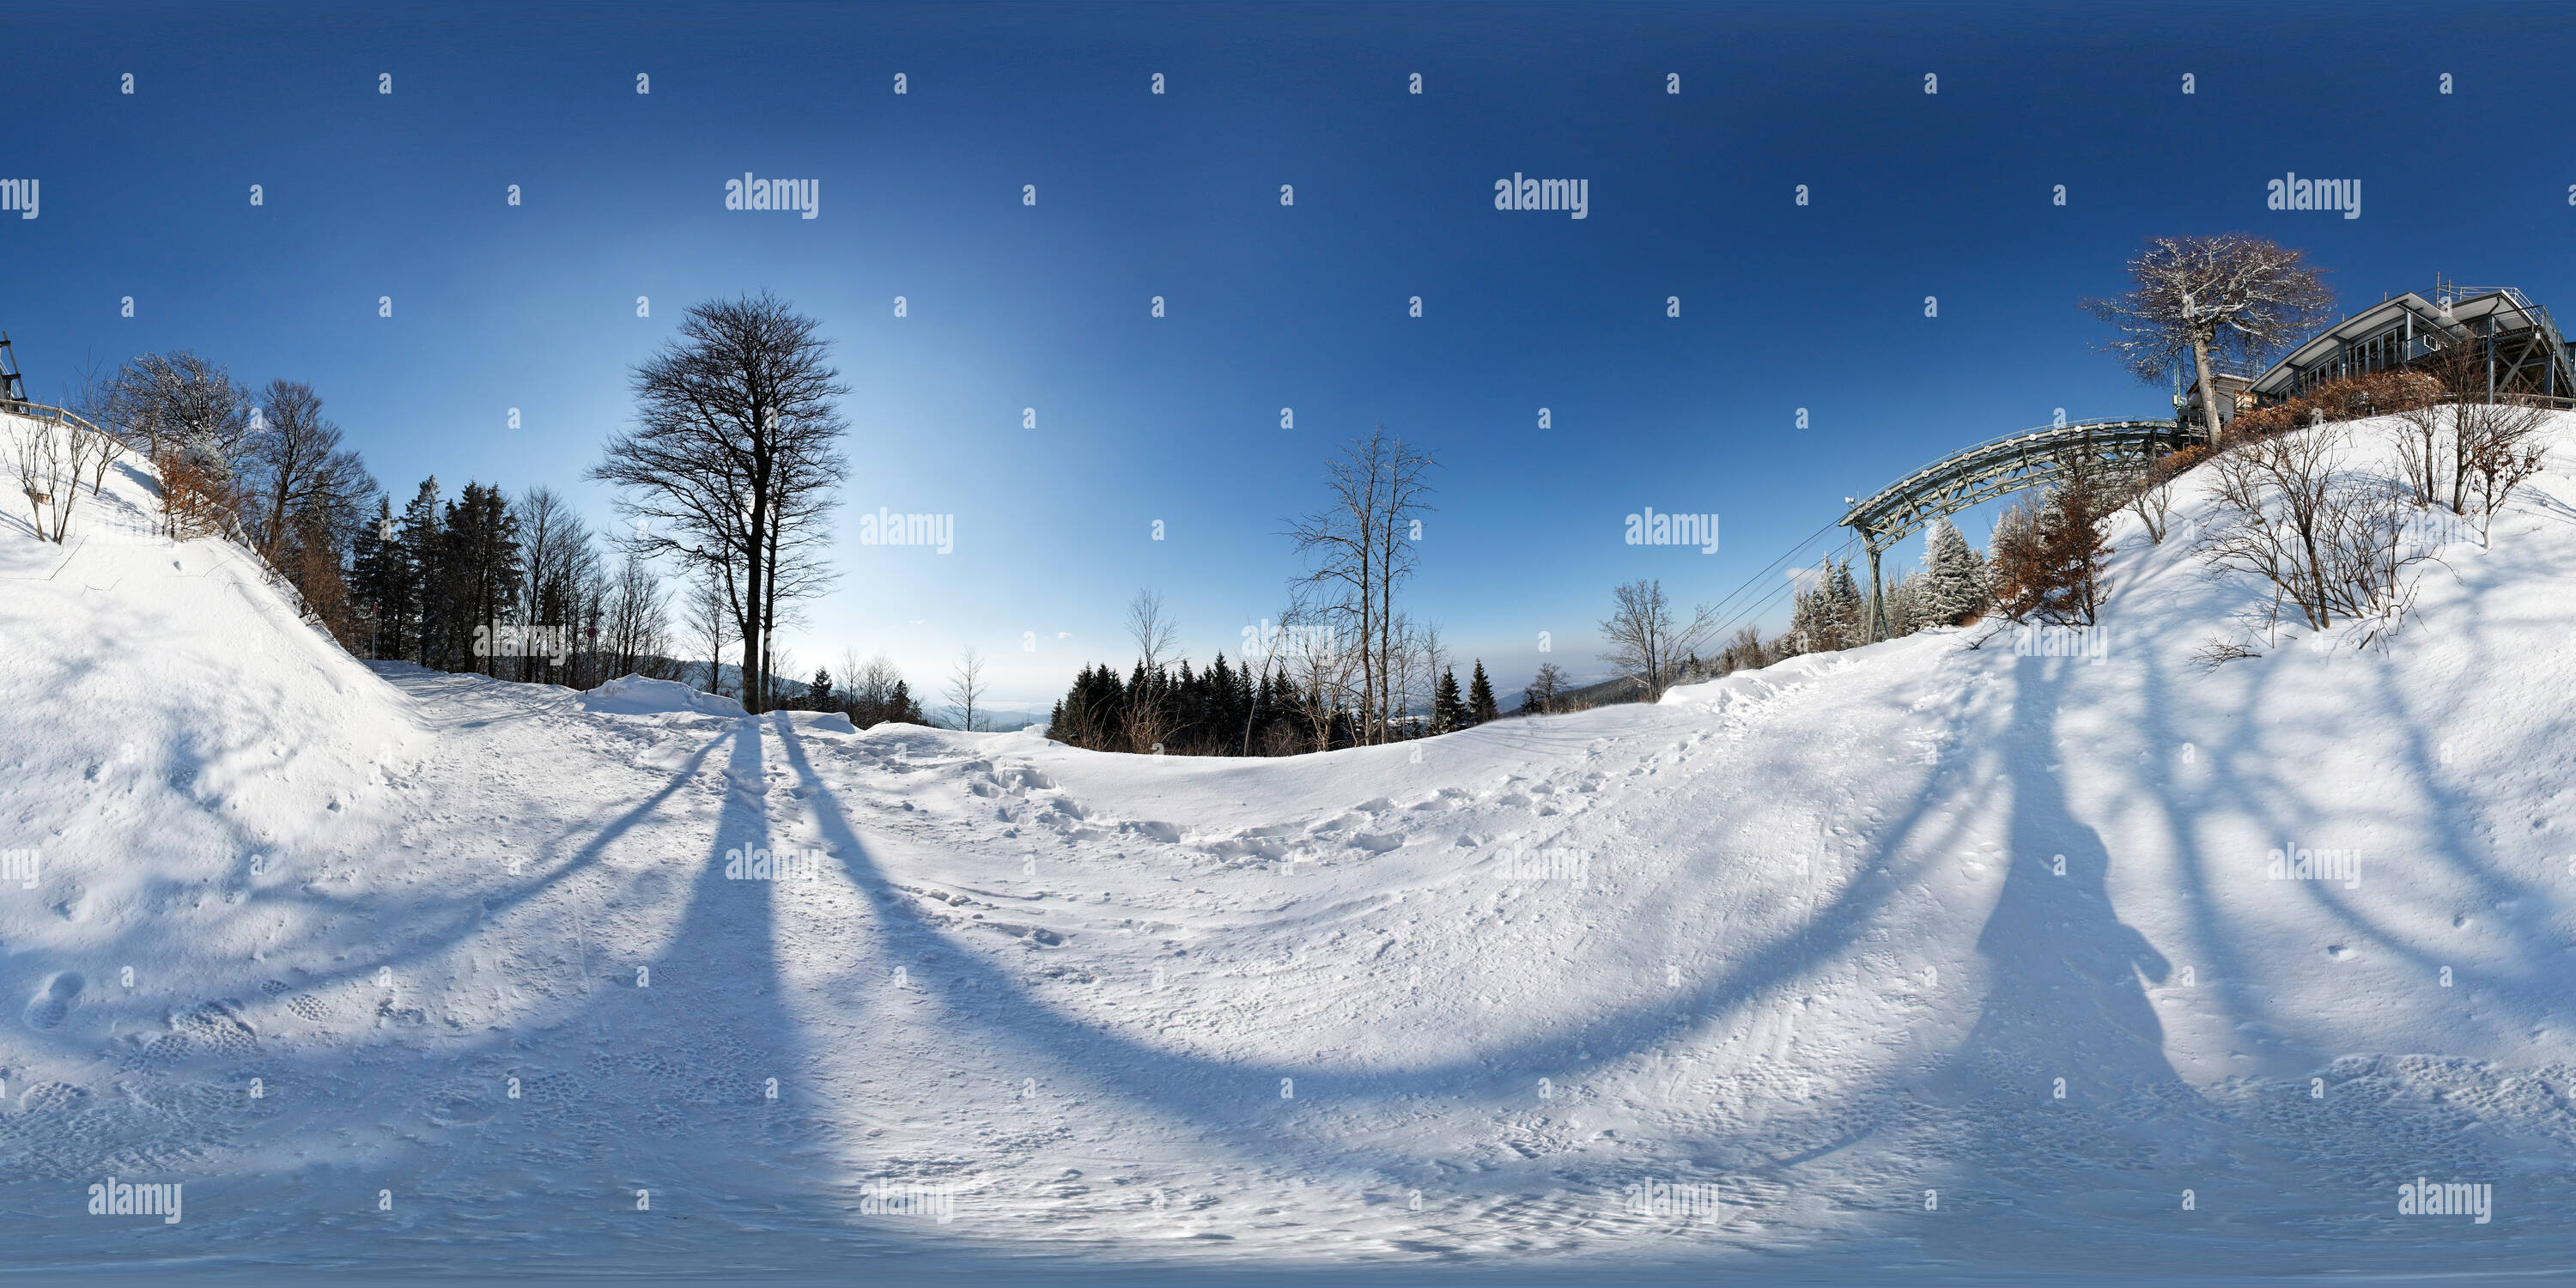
(1997, 467)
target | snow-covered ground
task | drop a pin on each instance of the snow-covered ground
(1925, 961)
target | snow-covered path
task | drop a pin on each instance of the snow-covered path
(1925, 956)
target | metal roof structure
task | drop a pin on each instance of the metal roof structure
(2529, 354)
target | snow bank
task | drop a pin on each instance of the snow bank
(634, 695)
(169, 724)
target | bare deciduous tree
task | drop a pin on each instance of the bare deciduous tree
(2338, 544)
(706, 619)
(1747, 653)
(2152, 498)
(89, 398)
(637, 617)
(797, 572)
(2427, 425)
(1420, 658)
(873, 691)
(186, 416)
(1545, 689)
(2501, 451)
(1155, 633)
(161, 403)
(966, 689)
(51, 456)
(1645, 639)
(1149, 718)
(1319, 671)
(734, 456)
(292, 461)
(2271, 515)
(2233, 296)
(33, 452)
(555, 556)
(1360, 551)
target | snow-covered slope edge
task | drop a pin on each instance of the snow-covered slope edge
(167, 720)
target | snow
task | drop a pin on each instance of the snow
(1780, 955)
(635, 695)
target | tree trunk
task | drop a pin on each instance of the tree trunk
(754, 680)
(2208, 391)
(769, 617)
(2460, 434)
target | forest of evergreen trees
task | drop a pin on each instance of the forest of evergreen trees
(1225, 710)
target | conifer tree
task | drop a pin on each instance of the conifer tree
(1955, 578)
(486, 537)
(420, 571)
(377, 584)
(1848, 609)
(901, 709)
(1806, 626)
(1827, 616)
(1480, 696)
(1906, 613)
(1448, 713)
(1239, 725)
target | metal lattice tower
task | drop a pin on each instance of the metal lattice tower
(12, 389)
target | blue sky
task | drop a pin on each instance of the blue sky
(1011, 306)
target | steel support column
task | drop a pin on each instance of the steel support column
(1877, 599)
(2490, 328)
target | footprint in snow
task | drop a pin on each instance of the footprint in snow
(49, 1008)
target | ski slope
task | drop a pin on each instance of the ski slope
(1779, 977)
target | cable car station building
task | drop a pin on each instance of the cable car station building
(2524, 352)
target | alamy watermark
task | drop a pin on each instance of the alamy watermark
(934, 1199)
(2421, 1197)
(1652, 529)
(1268, 640)
(2428, 530)
(757, 864)
(1571, 195)
(115, 1198)
(1662, 1198)
(523, 639)
(19, 195)
(2290, 863)
(21, 866)
(801, 196)
(1546, 865)
(886, 528)
(2291, 192)
(2092, 643)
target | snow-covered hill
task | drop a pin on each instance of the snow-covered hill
(1926, 960)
